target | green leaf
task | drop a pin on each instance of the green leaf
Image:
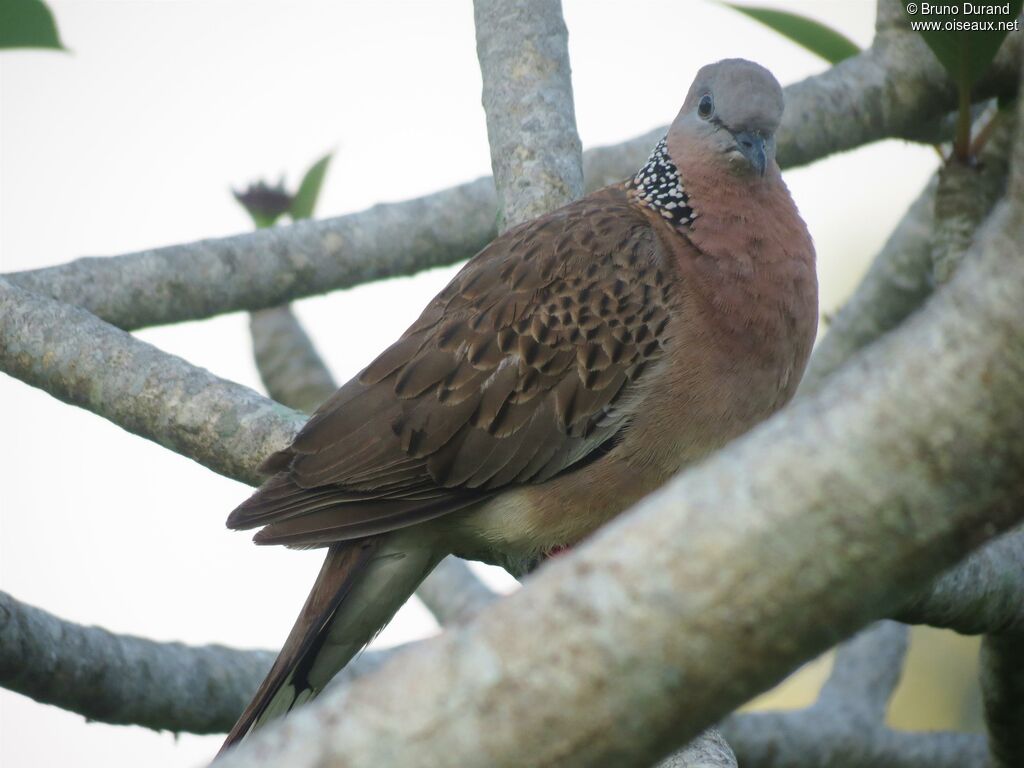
(304, 202)
(27, 24)
(822, 40)
(960, 41)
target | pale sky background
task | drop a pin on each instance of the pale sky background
(134, 140)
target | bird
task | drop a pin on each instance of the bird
(571, 367)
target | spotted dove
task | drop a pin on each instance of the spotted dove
(570, 368)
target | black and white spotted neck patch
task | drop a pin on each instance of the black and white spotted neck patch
(657, 185)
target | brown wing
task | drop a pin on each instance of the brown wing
(521, 368)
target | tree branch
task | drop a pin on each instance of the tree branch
(709, 750)
(855, 103)
(83, 361)
(273, 266)
(965, 196)
(845, 727)
(860, 100)
(527, 95)
(813, 737)
(664, 625)
(983, 594)
(901, 276)
(1002, 688)
(290, 367)
(865, 674)
(127, 680)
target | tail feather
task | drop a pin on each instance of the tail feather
(360, 587)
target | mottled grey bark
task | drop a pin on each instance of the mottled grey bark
(855, 103)
(902, 275)
(677, 612)
(522, 46)
(289, 365)
(270, 267)
(845, 727)
(709, 750)
(127, 680)
(893, 89)
(983, 594)
(965, 196)
(865, 674)
(83, 361)
(813, 738)
(1002, 689)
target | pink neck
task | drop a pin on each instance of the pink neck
(755, 257)
(739, 216)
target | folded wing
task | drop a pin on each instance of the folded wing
(523, 367)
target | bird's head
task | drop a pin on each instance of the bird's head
(730, 117)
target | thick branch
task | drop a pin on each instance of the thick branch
(124, 680)
(85, 362)
(273, 266)
(858, 102)
(527, 95)
(1002, 650)
(671, 616)
(983, 594)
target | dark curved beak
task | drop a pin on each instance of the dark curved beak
(751, 145)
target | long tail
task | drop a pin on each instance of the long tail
(361, 585)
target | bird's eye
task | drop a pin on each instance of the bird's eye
(706, 106)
